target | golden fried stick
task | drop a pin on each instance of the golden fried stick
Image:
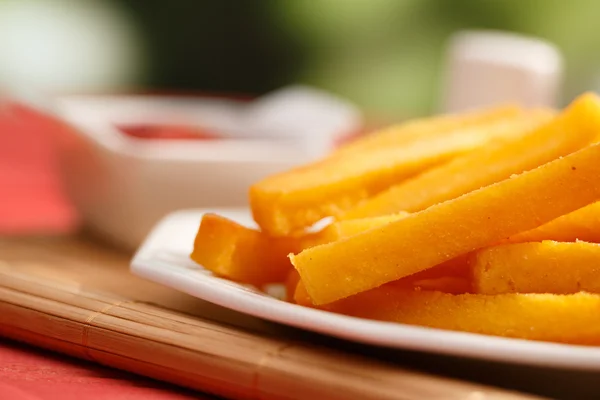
(583, 224)
(287, 203)
(573, 129)
(538, 267)
(404, 133)
(246, 255)
(548, 317)
(447, 230)
(291, 283)
(301, 296)
(341, 229)
(450, 277)
(242, 254)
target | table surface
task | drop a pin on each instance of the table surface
(27, 373)
(32, 203)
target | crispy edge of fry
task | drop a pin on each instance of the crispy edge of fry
(582, 224)
(479, 218)
(537, 267)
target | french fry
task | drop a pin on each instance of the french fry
(572, 130)
(450, 277)
(538, 267)
(287, 203)
(583, 224)
(404, 133)
(291, 282)
(242, 254)
(247, 255)
(301, 296)
(447, 230)
(547, 317)
(342, 229)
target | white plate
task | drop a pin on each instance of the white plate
(164, 258)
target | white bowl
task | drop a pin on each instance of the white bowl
(123, 186)
(485, 68)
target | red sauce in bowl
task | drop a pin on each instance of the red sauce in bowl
(162, 132)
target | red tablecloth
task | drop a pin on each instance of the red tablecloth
(31, 202)
(31, 374)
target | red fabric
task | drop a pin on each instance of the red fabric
(32, 202)
(28, 374)
(31, 199)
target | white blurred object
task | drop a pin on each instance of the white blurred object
(486, 68)
(66, 45)
(303, 113)
(123, 185)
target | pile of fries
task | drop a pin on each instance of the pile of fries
(486, 221)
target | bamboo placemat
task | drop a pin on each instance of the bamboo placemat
(77, 297)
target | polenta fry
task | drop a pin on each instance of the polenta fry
(342, 229)
(401, 134)
(583, 224)
(289, 202)
(241, 254)
(450, 229)
(546, 317)
(538, 267)
(575, 128)
(247, 255)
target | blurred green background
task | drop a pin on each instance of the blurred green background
(385, 55)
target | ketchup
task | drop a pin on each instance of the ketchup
(142, 131)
